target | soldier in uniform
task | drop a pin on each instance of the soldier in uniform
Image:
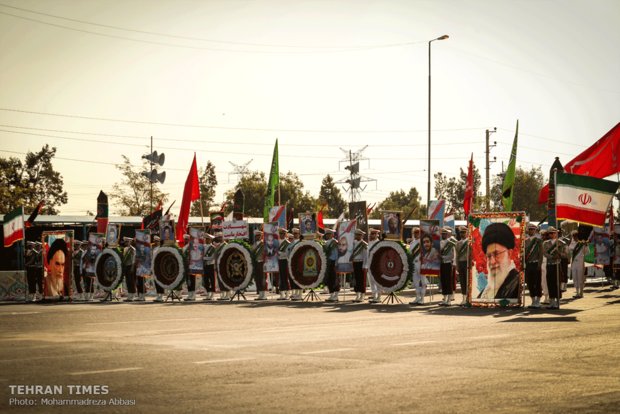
(332, 281)
(129, 268)
(208, 280)
(419, 281)
(359, 257)
(564, 259)
(446, 246)
(463, 260)
(189, 277)
(577, 268)
(29, 257)
(157, 243)
(259, 275)
(373, 238)
(38, 269)
(296, 291)
(283, 265)
(218, 244)
(77, 269)
(533, 264)
(616, 262)
(552, 249)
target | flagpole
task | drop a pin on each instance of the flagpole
(555, 213)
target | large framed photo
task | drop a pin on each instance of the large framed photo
(430, 259)
(496, 276)
(307, 225)
(391, 224)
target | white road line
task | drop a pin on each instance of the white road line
(217, 361)
(323, 351)
(105, 371)
(145, 321)
(415, 343)
(18, 313)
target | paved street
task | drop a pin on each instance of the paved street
(264, 357)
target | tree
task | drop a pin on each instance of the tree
(208, 183)
(400, 201)
(453, 191)
(26, 184)
(526, 189)
(330, 195)
(292, 192)
(133, 194)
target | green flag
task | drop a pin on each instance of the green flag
(272, 184)
(509, 179)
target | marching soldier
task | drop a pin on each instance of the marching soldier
(189, 277)
(283, 265)
(533, 265)
(129, 268)
(577, 268)
(446, 246)
(419, 282)
(564, 259)
(332, 281)
(296, 291)
(208, 280)
(552, 249)
(77, 269)
(259, 276)
(359, 257)
(373, 238)
(463, 260)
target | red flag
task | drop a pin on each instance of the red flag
(319, 217)
(599, 161)
(469, 187)
(34, 214)
(190, 193)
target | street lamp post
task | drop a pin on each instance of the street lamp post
(428, 188)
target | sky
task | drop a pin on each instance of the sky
(225, 79)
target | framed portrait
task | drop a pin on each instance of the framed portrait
(496, 274)
(430, 236)
(272, 246)
(278, 214)
(391, 224)
(357, 211)
(167, 233)
(345, 236)
(216, 218)
(144, 253)
(113, 234)
(196, 250)
(57, 257)
(95, 247)
(307, 225)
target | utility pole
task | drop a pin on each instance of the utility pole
(355, 179)
(488, 163)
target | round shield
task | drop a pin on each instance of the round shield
(108, 269)
(307, 264)
(234, 266)
(168, 267)
(389, 266)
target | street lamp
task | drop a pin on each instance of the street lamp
(428, 188)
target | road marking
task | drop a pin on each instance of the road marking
(105, 371)
(415, 343)
(323, 351)
(145, 321)
(217, 361)
(18, 313)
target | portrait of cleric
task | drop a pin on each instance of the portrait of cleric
(391, 225)
(502, 276)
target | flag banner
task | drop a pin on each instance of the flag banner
(144, 253)
(430, 235)
(196, 250)
(509, 177)
(151, 222)
(583, 199)
(278, 214)
(272, 184)
(272, 246)
(346, 235)
(235, 230)
(191, 193)
(13, 226)
(391, 224)
(358, 211)
(436, 210)
(468, 199)
(102, 212)
(449, 221)
(600, 160)
(35, 214)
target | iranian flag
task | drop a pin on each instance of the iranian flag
(13, 226)
(583, 199)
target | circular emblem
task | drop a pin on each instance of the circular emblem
(108, 269)
(234, 266)
(389, 265)
(307, 264)
(168, 267)
(585, 198)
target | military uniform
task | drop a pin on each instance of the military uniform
(77, 269)
(208, 280)
(129, 269)
(259, 275)
(359, 257)
(463, 261)
(375, 289)
(419, 281)
(533, 265)
(332, 281)
(283, 277)
(296, 291)
(446, 248)
(577, 252)
(552, 249)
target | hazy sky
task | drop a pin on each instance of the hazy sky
(96, 79)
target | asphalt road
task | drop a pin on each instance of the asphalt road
(284, 357)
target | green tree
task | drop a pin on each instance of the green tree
(26, 184)
(132, 195)
(331, 195)
(526, 189)
(452, 190)
(208, 183)
(400, 201)
(292, 192)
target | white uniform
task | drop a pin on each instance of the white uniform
(419, 281)
(577, 268)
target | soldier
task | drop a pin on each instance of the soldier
(77, 270)
(218, 244)
(552, 249)
(359, 257)
(129, 268)
(332, 281)
(189, 277)
(259, 276)
(88, 257)
(446, 246)
(373, 238)
(30, 256)
(533, 265)
(157, 243)
(564, 259)
(463, 260)
(616, 261)
(419, 282)
(38, 269)
(577, 268)
(208, 280)
(296, 291)
(283, 265)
